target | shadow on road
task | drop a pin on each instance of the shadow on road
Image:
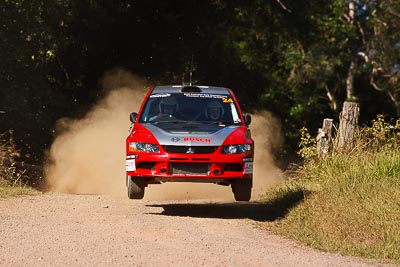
(257, 211)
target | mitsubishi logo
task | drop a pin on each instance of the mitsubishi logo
(190, 151)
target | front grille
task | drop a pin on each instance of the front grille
(235, 167)
(191, 149)
(190, 168)
(146, 165)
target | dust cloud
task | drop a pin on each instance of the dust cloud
(268, 138)
(88, 155)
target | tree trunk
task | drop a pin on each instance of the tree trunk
(348, 125)
(350, 80)
(324, 138)
(353, 57)
(351, 10)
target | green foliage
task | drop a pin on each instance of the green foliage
(381, 134)
(303, 53)
(308, 145)
(299, 50)
(31, 69)
(382, 61)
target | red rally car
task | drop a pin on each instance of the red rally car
(190, 134)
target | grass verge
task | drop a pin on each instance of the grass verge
(351, 203)
(7, 189)
(11, 179)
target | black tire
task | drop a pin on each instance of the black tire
(242, 189)
(136, 187)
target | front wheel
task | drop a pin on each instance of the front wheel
(136, 187)
(242, 189)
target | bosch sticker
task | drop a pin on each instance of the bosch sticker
(197, 139)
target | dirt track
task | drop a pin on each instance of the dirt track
(88, 230)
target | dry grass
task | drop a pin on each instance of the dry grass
(7, 189)
(351, 200)
(10, 178)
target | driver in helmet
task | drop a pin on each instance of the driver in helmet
(214, 111)
(168, 107)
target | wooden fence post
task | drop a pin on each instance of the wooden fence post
(324, 138)
(348, 125)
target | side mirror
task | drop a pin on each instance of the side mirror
(247, 119)
(132, 117)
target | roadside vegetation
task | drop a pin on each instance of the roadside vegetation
(349, 202)
(11, 179)
(298, 60)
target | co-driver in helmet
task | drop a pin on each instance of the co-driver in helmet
(214, 111)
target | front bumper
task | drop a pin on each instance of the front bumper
(215, 168)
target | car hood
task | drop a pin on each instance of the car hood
(190, 134)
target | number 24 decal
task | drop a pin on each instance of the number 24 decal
(227, 100)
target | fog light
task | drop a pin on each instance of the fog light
(216, 171)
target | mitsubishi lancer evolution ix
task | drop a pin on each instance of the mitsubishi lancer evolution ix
(190, 134)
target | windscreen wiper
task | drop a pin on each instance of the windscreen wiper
(222, 123)
(168, 121)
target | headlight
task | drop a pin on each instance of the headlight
(143, 147)
(236, 149)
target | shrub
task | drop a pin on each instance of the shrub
(8, 155)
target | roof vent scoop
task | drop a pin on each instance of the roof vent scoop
(191, 89)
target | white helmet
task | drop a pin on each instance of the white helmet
(168, 105)
(214, 111)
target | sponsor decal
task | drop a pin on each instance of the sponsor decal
(247, 159)
(160, 95)
(130, 165)
(248, 167)
(227, 100)
(175, 139)
(197, 139)
(202, 95)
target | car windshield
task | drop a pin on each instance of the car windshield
(190, 107)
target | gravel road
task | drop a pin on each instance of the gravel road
(92, 230)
